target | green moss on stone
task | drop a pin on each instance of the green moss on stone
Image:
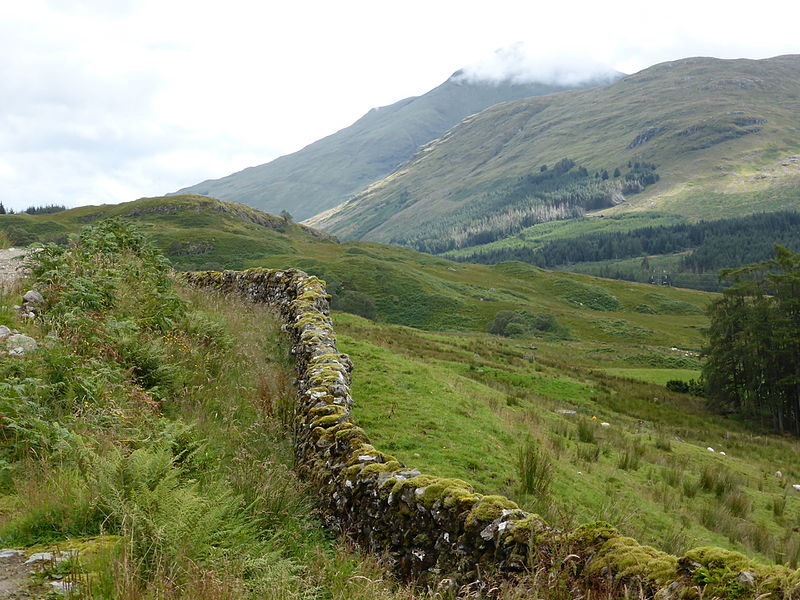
(328, 421)
(375, 468)
(322, 411)
(591, 535)
(420, 481)
(531, 527)
(488, 509)
(719, 558)
(442, 489)
(725, 565)
(627, 559)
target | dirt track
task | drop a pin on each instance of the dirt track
(15, 580)
(10, 262)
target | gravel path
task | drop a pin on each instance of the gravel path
(15, 577)
(10, 262)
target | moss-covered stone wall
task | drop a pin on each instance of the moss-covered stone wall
(436, 529)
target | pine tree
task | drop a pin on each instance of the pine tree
(753, 356)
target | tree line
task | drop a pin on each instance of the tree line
(715, 244)
(753, 354)
(47, 209)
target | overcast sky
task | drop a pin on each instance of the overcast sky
(111, 100)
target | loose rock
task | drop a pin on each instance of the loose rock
(19, 344)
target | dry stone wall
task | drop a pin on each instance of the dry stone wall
(439, 530)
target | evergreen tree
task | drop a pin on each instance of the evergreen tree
(753, 364)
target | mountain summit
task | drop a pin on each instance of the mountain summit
(706, 137)
(331, 170)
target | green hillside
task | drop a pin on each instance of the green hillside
(405, 287)
(719, 136)
(195, 232)
(648, 247)
(332, 169)
(434, 388)
(471, 405)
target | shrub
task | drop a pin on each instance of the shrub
(586, 431)
(517, 323)
(501, 321)
(778, 505)
(355, 302)
(535, 469)
(630, 457)
(719, 480)
(739, 503)
(586, 295)
(588, 452)
(628, 460)
(694, 387)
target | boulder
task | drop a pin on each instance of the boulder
(20, 344)
(33, 298)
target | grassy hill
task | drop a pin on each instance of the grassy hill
(195, 232)
(332, 169)
(474, 406)
(721, 135)
(432, 387)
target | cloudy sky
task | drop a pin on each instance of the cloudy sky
(111, 100)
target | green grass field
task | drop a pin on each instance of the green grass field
(433, 388)
(657, 376)
(463, 405)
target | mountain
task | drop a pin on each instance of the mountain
(698, 137)
(330, 170)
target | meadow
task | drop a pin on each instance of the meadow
(519, 414)
(496, 413)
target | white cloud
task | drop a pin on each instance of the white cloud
(108, 101)
(519, 63)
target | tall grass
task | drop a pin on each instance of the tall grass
(535, 469)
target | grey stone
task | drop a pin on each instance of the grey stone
(564, 411)
(34, 298)
(8, 553)
(747, 579)
(4, 332)
(20, 344)
(39, 557)
(64, 587)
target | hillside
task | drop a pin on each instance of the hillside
(330, 170)
(645, 246)
(721, 136)
(398, 285)
(460, 402)
(195, 232)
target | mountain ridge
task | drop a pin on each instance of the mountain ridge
(713, 127)
(326, 172)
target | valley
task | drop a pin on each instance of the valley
(525, 295)
(583, 351)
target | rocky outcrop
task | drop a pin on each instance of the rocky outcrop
(436, 529)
